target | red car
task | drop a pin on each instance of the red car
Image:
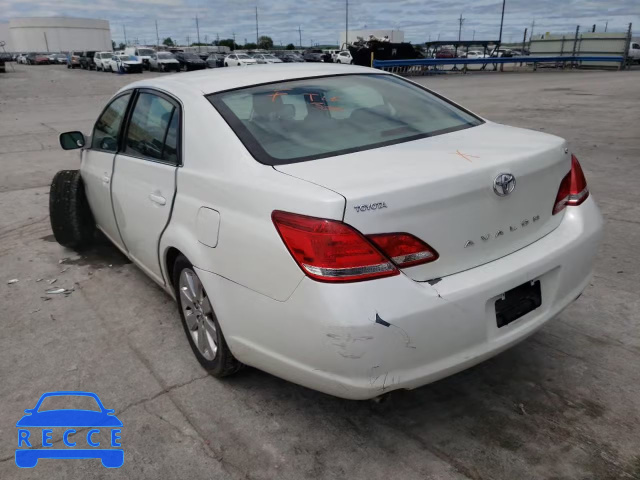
(445, 53)
(37, 59)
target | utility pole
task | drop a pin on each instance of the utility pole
(460, 22)
(606, 25)
(257, 34)
(198, 32)
(157, 36)
(188, 42)
(234, 40)
(300, 33)
(474, 36)
(346, 24)
(502, 21)
(124, 29)
(533, 24)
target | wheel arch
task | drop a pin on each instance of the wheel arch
(170, 256)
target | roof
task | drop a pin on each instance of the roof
(219, 79)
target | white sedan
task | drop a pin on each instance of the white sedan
(266, 58)
(102, 61)
(354, 232)
(476, 54)
(344, 57)
(239, 60)
(125, 64)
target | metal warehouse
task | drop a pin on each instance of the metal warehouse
(55, 34)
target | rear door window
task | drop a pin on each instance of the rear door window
(153, 129)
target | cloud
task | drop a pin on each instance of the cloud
(322, 21)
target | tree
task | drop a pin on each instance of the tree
(266, 43)
(168, 42)
(250, 46)
(122, 46)
(113, 45)
(228, 42)
(291, 46)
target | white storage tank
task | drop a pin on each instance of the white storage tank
(59, 34)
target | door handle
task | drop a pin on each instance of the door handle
(159, 199)
(106, 179)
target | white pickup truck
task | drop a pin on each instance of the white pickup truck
(634, 52)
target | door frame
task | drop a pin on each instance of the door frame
(135, 93)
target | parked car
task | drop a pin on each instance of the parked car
(37, 59)
(22, 59)
(143, 53)
(87, 60)
(3, 60)
(333, 54)
(190, 61)
(634, 52)
(445, 53)
(58, 58)
(164, 62)
(125, 64)
(330, 240)
(215, 60)
(265, 58)
(313, 55)
(476, 54)
(102, 60)
(344, 57)
(502, 52)
(239, 60)
(73, 59)
(289, 57)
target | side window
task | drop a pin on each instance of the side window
(107, 128)
(149, 129)
(170, 153)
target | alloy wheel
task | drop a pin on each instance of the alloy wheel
(198, 314)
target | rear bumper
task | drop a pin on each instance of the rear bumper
(326, 337)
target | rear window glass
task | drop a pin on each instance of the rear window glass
(301, 120)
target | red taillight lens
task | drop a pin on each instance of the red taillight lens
(404, 249)
(573, 188)
(331, 251)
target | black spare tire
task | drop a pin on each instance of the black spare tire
(71, 218)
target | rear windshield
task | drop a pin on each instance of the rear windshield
(302, 120)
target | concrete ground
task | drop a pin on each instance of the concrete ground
(564, 404)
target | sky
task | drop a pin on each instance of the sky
(321, 21)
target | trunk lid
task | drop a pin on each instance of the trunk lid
(441, 189)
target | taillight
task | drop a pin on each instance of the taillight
(331, 251)
(573, 188)
(404, 249)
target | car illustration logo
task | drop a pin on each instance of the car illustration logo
(28, 452)
(504, 184)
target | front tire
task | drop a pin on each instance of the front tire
(69, 212)
(200, 322)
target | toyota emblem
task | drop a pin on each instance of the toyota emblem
(504, 184)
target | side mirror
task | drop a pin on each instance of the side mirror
(71, 140)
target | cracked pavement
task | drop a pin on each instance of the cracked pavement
(564, 404)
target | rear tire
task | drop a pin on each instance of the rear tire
(222, 361)
(69, 212)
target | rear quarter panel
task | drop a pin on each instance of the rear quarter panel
(219, 173)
